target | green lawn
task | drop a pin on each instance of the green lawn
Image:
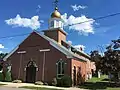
(39, 88)
(113, 89)
(95, 79)
(99, 84)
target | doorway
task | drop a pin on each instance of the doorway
(31, 72)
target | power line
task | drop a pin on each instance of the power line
(17, 35)
(98, 27)
(99, 18)
(41, 31)
(14, 35)
(102, 17)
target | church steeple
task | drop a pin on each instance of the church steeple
(55, 21)
(56, 13)
(55, 30)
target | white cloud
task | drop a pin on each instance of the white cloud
(1, 52)
(32, 23)
(42, 21)
(79, 47)
(38, 9)
(83, 28)
(39, 6)
(78, 7)
(1, 46)
(70, 42)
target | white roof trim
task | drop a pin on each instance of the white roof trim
(79, 50)
(6, 57)
(9, 54)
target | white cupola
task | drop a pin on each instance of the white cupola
(55, 21)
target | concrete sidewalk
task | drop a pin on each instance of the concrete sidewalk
(9, 88)
(17, 85)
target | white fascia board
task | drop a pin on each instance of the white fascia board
(6, 57)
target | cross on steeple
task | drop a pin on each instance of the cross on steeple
(56, 3)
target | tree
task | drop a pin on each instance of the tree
(2, 55)
(111, 59)
(97, 58)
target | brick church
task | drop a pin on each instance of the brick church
(42, 57)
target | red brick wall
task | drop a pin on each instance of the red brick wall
(61, 37)
(52, 34)
(32, 45)
(78, 64)
(57, 35)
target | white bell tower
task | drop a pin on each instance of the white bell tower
(55, 21)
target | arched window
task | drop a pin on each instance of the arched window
(60, 68)
(52, 23)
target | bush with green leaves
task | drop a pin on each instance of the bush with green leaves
(8, 77)
(64, 81)
(1, 76)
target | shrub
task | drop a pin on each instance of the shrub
(39, 83)
(65, 81)
(17, 81)
(8, 77)
(1, 77)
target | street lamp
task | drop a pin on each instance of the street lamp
(20, 52)
(43, 71)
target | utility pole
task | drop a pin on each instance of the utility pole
(43, 69)
(20, 52)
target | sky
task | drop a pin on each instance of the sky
(23, 16)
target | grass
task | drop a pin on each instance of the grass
(113, 88)
(95, 79)
(99, 84)
(39, 88)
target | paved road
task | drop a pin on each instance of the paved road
(8, 88)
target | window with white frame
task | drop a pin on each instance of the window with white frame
(57, 24)
(52, 23)
(60, 68)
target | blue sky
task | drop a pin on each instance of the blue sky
(109, 28)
